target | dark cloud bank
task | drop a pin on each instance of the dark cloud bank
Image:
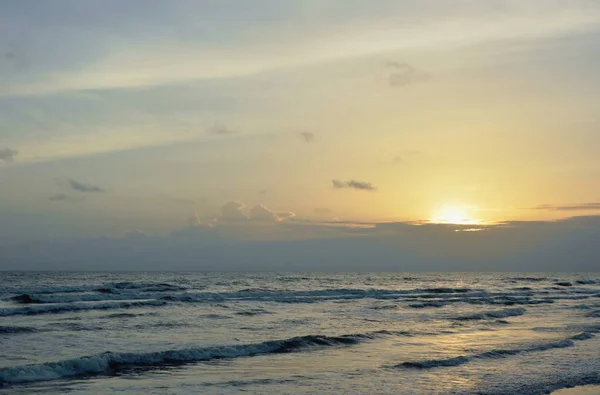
(262, 241)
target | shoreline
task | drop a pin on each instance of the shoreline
(591, 389)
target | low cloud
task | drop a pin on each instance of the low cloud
(263, 214)
(81, 187)
(566, 245)
(195, 221)
(569, 207)
(8, 155)
(220, 130)
(353, 184)
(232, 211)
(235, 213)
(402, 74)
(63, 197)
(263, 191)
(283, 215)
(308, 137)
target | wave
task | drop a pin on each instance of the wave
(384, 307)
(528, 279)
(23, 298)
(492, 314)
(17, 329)
(148, 287)
(446, 290)
(104, 288)
(253, 312)
(74, 327)
(564, 283)
(502, 300)
(501, 353)
(110, 362)
(131, 291)
(126, 315)
(586, 282)
(215, 316)
(418, 297)
(427, 304)
(74, 297)
(60, 308)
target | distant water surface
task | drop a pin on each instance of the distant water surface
(229, 333)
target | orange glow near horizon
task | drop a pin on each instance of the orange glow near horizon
(454, 214)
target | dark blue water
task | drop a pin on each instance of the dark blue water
(180, 333)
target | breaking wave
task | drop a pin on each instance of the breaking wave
(61, 308)
(110, 362)
(486, 315)
(428, 304)
(17, 329)
(418, 297)
(501, 353)
(104, 288)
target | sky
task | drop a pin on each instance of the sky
(228, 134)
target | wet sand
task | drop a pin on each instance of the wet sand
(582, 390)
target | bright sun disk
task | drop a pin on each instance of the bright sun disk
(458, 215)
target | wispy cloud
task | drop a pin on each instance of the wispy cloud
(81, 187)
(308, 137)
(13, 56)
(211, 55)
(63, 197)
(405, 157)
(220, 130)
(362, 185)
(569, 207)
(402, 74)
(398, 160)
(8, 155)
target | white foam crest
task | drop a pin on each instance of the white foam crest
(492, 354)
(113, 362)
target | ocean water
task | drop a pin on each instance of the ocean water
(230, 333)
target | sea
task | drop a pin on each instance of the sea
(297, 333)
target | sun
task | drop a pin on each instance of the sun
(454, 214)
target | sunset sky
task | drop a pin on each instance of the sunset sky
(160, 116)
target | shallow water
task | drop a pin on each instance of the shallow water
(180, 333)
